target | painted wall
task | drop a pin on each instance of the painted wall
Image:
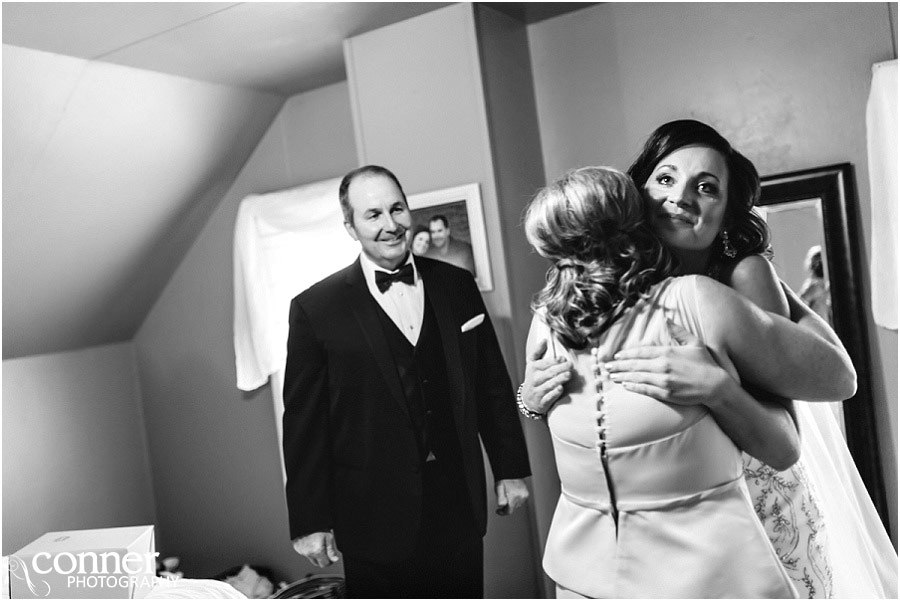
(519, 172)
(892, 16)
(217, 474)
(786, 83)
(515, 147)
(74, 448)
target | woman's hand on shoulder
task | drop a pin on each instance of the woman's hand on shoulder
(545, 376)
(687, 374)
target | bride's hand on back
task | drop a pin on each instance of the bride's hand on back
(684, 375)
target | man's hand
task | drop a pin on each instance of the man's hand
(511, 494)
(318, 548)
(544, 379)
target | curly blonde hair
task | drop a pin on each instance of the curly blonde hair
(590, 223)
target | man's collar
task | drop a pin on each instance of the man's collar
(369, 267)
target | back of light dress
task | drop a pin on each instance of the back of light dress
(653, 500)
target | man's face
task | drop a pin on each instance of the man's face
(380, 219)
(439, 233)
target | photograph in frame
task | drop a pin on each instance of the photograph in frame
(448, 226)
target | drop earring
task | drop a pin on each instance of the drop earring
(727, 249)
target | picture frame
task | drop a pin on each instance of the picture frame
(463, 242)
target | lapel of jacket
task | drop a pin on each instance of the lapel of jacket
(365, 310)
(441, 298)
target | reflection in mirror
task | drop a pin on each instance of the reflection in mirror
(816, 290)
(817, 207)
(801, 259)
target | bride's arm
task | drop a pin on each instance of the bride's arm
(755, 278)
(772, 352)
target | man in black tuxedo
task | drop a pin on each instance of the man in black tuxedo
(393, 373)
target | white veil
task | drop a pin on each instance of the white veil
(864, 562)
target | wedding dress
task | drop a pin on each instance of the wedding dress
(788, 507)
(820, 518)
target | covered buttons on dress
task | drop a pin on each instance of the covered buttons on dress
(601, 383)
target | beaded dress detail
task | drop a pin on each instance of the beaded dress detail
(786, 504)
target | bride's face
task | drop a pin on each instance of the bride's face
(687, 193)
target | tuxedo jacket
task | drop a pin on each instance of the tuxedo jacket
(351, 454)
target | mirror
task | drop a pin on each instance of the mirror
(818, 208)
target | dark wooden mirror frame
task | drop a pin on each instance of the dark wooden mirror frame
(835, 185)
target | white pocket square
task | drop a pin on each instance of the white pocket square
(472, 323)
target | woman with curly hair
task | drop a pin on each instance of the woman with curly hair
(654, 503)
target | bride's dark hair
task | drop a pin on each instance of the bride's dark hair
(748, 232)
(590, 223)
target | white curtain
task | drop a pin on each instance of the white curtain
(284, 242)
(881, 125)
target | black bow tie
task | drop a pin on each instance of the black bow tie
(384, 279)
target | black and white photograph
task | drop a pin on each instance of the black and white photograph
(449, 300)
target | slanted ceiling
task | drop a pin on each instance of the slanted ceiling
(279, 47)
(109, 173)
(124, 124)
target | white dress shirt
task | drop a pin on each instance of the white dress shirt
(404, 304)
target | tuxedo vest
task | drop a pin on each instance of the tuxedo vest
(423, 375)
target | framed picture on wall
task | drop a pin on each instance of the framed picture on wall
(448, 225)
